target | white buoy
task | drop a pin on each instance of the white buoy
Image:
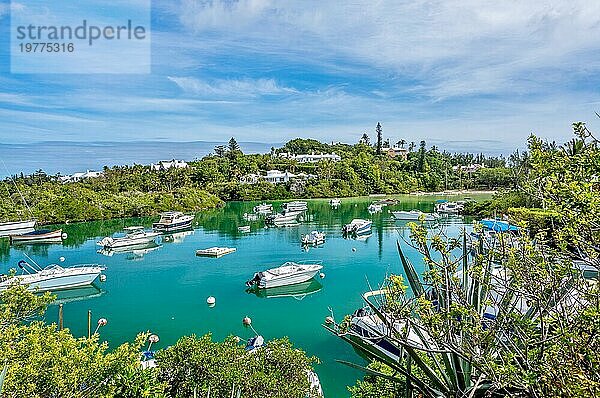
(354, 249)
(64, 236)
(211, 301)
(322, 275)
(103, 278)
(247, 321)
(61, 259)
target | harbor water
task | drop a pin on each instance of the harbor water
(163, 289)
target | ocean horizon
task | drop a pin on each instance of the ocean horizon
(67, 157)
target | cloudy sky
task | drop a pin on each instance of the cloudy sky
(475, 73)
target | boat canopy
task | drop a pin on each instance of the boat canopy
(498, 225)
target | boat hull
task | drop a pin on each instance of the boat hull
(287, 280)
(177, 226)
(50, 237)
(50, 282)
(412, 216)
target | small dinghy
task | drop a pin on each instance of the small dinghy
(215, 251)
(39, 236)
(357, 227)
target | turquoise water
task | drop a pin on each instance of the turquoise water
(164, 290)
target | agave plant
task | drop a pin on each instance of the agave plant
(472, 326)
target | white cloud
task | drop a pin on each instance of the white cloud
(458, 47)
(231, 88)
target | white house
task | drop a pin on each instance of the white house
(276, 176)
(79, 176)
(312, 157)
(168, 164)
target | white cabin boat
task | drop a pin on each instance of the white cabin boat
(263, 208)
(244, 228)
(451, 208)
(335, 202)
(215, 251)
(134, 236)
(414, 215)
(296, 206)
(282, 218)
(173, 221)
(314, 238)
(289, 273)
(357, 226)
(53, 277)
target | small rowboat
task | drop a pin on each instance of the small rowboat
(215, 251)
(39, 236)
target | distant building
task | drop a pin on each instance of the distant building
(472, 168)
(274, 177)
(79, 176)
(250, 179)
(168, 164)
(395, 151)
(311, 158)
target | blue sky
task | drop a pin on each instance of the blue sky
(478, 74)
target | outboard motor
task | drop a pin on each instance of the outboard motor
(253, 281)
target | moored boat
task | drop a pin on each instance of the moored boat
(16, 227)
(263, 208)
(173, 221)
(244, 228)
(282, 218)
(414, 215)
(313, 238)
(53, 277)
(289, 273)
(39, 236)
(134, 236)
(357, 226)
(387, 202)
(375, 208)
(450, 208)
(335, 202)
(295, 206)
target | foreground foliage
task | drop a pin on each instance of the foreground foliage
(544, 339)
(43, 361)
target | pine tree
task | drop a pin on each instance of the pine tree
(378, 130)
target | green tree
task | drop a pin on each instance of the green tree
(378, 131)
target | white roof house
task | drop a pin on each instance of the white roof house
(312, 157)
(79, 176)
(168, 164)
(468, 169)
(276, 176)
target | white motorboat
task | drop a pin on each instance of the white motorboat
(375, 208)
(244, 228)
(289, 273)
(173, 221)
(250, 216)
(335, 202)
(451, 208)
(39, 236)
(357, 226)
(414, 215)
(53, 277)
(313, 238)
(296, 206)
(134, 236)
(282, 218)
(263, 208)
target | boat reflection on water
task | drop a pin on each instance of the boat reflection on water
(297, 291)
(362, 237)
(133, 252)
(79, 294)
(177, 237)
